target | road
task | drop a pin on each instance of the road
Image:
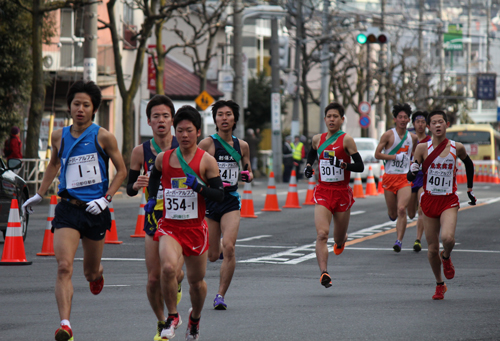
(275, 294)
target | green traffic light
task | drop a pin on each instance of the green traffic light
(361, 38)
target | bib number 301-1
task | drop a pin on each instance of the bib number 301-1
(82, 170)
(330, 173)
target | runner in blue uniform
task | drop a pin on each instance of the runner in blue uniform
(224, 218)
(81, 151)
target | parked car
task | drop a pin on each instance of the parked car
(12, 187)
(366, 148)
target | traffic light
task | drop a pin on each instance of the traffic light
(372, 36)
(361, 38)
(283, 52)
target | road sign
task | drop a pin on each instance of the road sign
(364, 108)
(453, 40)
(204, 100)
(486, 86)
(364, 121)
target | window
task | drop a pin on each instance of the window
(128, 12)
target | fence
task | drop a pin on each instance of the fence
(32, 171)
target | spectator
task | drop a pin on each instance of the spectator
(12, 148)
(253, 141)
(287, 159)
(299, 153)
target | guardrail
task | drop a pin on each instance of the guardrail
(32, 171)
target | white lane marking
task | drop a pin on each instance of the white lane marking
(357, 212)
(390, 249)
(120, 259)
(285, 192)
(264, 246)
(253, 238)
(117, 285)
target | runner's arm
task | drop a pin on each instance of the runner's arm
(154, 183)
(135, 180)
(54, 163)
(469, 165)
(311, 157)
(245, 160)
(110, 146)
(418, 159)
(351, 148)
(384, 140)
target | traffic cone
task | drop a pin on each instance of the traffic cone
(271, 203)
(48, 238)
(310, 191)
(476, 173)
(112, 235)
(371, 189)
(139, 225)
(460, 172)
(496, 180)
(380, 180)
(358, 187)
(481, 174)
(13, 247)
(292, 198)
(247, 210)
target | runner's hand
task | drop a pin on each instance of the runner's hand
(400, 157)
(192, 182)
(472, 198)
(245, 175)
(415, 167)
(150, 206)
(308, 171)
(31, 202)
(334, 161)
(97, 206)
(225, 184)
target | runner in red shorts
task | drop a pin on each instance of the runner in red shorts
(396, 147)
(439, 202)
(333, 195)
(182, 230)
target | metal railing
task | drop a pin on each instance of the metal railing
(32, 171)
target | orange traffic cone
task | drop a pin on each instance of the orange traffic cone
(271, 203)
(310, 191)
(358, 187)
(380, 180)
(48, 238)
(139, 225)
(112, 234)
(476, 173)
(371, 189)
(247, 210)
(481, 174)
(496, 180)
(460, 173)
(13, 247)
(292, 199)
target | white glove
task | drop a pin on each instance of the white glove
(415, 167)
(31, 202)
(400, 157)
(96, 206)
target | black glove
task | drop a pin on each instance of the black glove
(335, 162)
(472, 198)
(308, 171)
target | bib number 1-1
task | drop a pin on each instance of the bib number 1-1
(82, 170)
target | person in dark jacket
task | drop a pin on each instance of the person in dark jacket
(287, 159)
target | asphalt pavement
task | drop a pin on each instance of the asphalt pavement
(275, 294)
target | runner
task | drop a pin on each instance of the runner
(159, 111)
(333, 195)
(182, 230)
(84, 149)
(419, 123)
(224, 218)
(439, 201)
(395, 148)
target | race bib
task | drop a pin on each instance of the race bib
(398, 167)
(83, 170)
(330, 173)
(229, 172)
(180, 204)
(440, 180)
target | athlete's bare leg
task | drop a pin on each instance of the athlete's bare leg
(230, 223)
(392, 204)
(340, 226)
(196, 267)
(170, 254)
(92, 254)
(448, 228)
(420, 220)
(322, 220)
(403, 197)
(214, 234)
(413, 205)
(153, 288)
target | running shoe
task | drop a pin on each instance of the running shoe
(338, 250)
(96, 286)
(179, 293)
(64, 333)
(448, 268)
(325, 280)
(193, 330)
(219, 303)
(159, 328)
(440, 290)
(417, 246)
(171, 324)
(397, 245)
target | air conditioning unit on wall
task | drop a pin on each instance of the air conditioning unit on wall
(51, 60)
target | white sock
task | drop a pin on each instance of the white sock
(65, 323)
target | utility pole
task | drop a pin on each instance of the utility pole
(365, 131)
(441, 46)
(325, 65)
(469, 50)
(420, 63)
(488, 30)
(90, 43)
(298, 45)
(276, 100)
(238, 65)
(380, 108)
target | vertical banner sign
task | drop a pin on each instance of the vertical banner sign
(244, 74)
(90, 69)
(151, 69)
(486, 86)
(275, 112)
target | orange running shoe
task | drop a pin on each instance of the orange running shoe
(448, 268)
(338, 250)
(64, 333)
(325, 280)
(440, 290)
(96, 286)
